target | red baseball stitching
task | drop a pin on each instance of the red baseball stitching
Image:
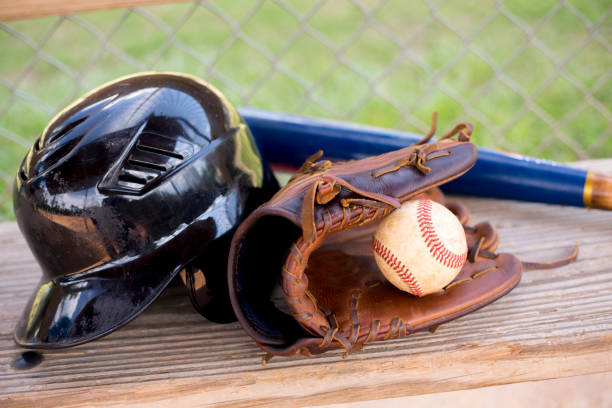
(437, 249)
(397, 265)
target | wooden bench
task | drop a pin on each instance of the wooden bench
(556, 323)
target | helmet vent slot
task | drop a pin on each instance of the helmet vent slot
(63, 131)
(50, 157)
(158, 150)
(146, 164)
(130, 178)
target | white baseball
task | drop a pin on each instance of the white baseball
(420, 247)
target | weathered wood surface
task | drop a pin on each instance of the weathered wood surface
(22, 9)
(556, 323)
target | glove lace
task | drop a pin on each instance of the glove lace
(326, 189)
(311, 166)
(421, 155)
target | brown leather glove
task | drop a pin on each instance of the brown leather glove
(314, 238)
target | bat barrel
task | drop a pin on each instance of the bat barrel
(290, 139)
(514, 177)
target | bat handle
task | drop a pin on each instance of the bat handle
(598, 191)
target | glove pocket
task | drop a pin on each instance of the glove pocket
(366, 307)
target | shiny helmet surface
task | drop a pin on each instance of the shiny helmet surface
(137, 180)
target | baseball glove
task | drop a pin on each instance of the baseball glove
(314, 239)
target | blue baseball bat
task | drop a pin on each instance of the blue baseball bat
(289, 139)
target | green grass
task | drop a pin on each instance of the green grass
(381, 77)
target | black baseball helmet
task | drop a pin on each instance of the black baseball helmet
(137, 180)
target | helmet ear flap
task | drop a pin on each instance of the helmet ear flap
(206, 281)
(205, 278)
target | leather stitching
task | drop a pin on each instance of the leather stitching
(361, 211)
(312, 299)
(331, 333)
(437, 249)
(290, 277)
(374, 327)
(303, 317)
(400, 268)
(471, 277)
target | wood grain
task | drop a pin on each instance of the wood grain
(556, 323)
(23, 9)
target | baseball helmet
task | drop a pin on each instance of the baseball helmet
(139, 179)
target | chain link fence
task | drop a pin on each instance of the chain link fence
(534, 77)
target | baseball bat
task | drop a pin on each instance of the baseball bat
(287, 140)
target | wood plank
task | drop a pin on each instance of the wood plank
(555, 323)
(24, 9)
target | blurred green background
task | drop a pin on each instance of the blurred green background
(534, 77)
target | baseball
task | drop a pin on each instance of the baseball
(420, 247)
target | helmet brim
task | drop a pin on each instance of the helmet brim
(70, 311)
